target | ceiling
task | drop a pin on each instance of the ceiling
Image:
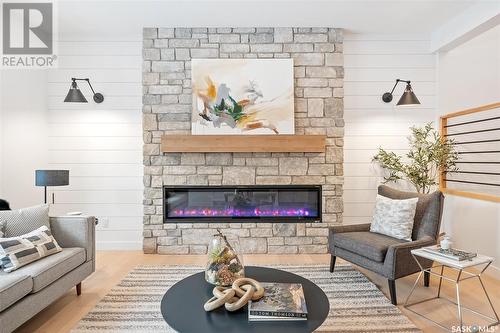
(99, 18)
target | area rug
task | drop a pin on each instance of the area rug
(356, 304)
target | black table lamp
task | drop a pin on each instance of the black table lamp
(51, 178)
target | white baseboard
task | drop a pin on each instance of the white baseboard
(118, 246)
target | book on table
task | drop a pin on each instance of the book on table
(281, 301)
(452, 254)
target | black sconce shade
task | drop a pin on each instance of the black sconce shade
(408, 98)
(75, 95)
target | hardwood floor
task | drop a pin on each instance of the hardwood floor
(112, 266)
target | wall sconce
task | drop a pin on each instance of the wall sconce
(408, 97)
(75, 95)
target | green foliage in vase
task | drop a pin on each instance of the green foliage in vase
(214, 255)
(428, 154)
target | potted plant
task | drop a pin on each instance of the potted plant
(428, 155)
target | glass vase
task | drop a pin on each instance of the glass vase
(224, 265)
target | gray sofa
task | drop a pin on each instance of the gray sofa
(28, 290)
(384, 255)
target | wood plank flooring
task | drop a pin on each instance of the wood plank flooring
(112, 266)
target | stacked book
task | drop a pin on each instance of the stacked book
(281, 302)
(453, 254)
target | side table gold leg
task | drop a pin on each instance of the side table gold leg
(459, 306)
(489, 300)
(457, 284)
(440, 281)
(413, 288)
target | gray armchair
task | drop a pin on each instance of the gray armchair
(384, 255)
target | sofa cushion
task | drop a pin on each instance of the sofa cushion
(25, 220)
(13, 288)
(49, 269)
(367, 244)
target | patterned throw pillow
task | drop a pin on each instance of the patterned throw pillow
(2, 229)
(24, 220)
(394, 217)
(19, 251)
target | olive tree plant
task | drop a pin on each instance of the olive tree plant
(428, 154)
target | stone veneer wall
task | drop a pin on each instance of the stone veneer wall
(319, 72)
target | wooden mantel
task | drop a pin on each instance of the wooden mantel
(243, 143)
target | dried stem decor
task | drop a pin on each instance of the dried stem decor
(224, 265)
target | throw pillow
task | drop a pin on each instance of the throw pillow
(19, 251)
(2, 229)
(394, 217)
(24, 220)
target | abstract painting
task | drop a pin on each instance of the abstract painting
(242, 96)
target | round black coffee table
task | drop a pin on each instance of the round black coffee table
(182, 306)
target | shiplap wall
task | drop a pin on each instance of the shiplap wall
(372, 64)
(101, 144)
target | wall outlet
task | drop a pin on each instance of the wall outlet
(103, 223)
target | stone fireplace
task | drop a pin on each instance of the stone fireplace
(318, 73)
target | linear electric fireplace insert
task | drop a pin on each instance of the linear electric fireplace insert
(287, 203)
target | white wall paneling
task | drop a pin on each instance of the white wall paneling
(23, 135)
(101, 144)
(372, 64)
(103, 75)
(92, 129)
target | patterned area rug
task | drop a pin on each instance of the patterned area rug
(356, 304)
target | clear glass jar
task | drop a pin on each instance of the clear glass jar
(224, 265)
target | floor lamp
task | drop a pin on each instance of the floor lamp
(51, 178)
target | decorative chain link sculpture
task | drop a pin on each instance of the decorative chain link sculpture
(241, 292)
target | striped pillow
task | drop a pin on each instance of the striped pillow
(19, 251)
(24, 220)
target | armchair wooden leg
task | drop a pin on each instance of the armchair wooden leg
(332, 263)
(79, 289)
(392, 291)
(427, 278)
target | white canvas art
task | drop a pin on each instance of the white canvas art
(242, 96)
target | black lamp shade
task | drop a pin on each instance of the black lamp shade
(408, 98)
(51, 177)
(75, 95)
